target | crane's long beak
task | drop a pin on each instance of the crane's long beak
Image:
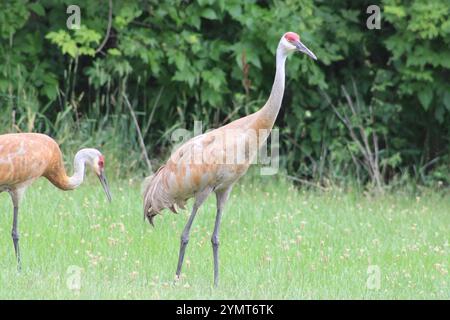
(105, 185)
(302, 48)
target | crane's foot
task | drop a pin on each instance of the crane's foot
(176, 280)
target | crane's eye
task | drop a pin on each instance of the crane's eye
(101, 162)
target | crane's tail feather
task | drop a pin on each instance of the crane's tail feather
(157, 196)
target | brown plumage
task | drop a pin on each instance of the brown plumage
(214, 161)
(182, 177)
(24, 157)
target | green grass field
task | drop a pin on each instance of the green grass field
(277, 242)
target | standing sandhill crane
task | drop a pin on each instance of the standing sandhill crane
(24, 157)
(208, 162)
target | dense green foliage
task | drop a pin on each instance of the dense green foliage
(181, 61)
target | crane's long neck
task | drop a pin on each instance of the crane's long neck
(58, 175)
(79, 168)
(269, 111)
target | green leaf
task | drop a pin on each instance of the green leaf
(235, 10)
(37, 8)
(51, 91)
(209, 13)
(114, 52)
(70, 48)
(395, 10)
(425, 96)
(439, 114)
(186, 76)
(194, 20)
(306, 148)
(447, 100)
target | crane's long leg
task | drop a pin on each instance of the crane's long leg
(15, 236)
(222, 197)
(199, 199)
(15, 196)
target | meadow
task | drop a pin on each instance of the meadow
(278, 241)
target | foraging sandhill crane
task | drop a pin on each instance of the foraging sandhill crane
(198, 167)
(24, 157)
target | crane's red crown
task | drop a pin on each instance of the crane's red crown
(291, 36)
(101, 162)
